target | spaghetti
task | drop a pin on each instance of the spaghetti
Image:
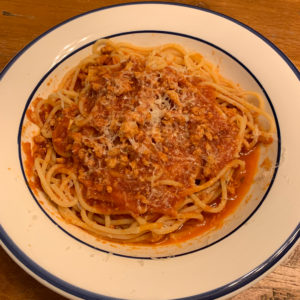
(137, 141)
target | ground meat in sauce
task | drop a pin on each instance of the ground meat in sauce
(144, 125)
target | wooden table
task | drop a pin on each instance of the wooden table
(23, 20)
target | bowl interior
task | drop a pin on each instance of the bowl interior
(230, 68)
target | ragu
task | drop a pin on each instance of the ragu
(146, 138)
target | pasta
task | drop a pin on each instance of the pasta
(136, 142)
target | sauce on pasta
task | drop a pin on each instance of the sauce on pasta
(138, 144)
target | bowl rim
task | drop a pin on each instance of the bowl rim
(57, 284)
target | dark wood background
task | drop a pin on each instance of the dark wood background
(278, 20)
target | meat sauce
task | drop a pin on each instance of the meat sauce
(137, 127)
(137, 131)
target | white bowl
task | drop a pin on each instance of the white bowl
(253, 239)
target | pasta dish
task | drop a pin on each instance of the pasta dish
(137, 142)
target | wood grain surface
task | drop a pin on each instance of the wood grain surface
(278, 20)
